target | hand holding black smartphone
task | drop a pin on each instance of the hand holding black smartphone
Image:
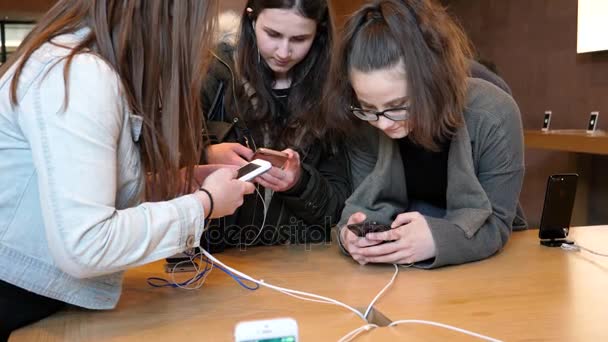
(361, 229)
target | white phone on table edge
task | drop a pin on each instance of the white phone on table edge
(253, 169)
(252, 331)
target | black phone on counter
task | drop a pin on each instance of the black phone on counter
(557, 209)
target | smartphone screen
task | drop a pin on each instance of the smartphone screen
(275, 339)
(273, 330)
(247, 169)
(361, 229)
(557, 209)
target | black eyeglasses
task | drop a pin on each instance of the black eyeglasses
(394, 114)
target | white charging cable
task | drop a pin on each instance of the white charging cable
(326, 300)
(577, 248)
(371, 305)
(197, 283)
(445, 326)
(294, 293)
(197, 265)
(353, 334)
(263, 221)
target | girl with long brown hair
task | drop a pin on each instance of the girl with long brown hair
(100, 110)
(437, 157)
(268, 90)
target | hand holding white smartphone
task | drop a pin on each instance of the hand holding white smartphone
(279, 330)
(253, 169)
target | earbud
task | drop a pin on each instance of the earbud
(250, 13)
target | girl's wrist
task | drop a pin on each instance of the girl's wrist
(206, 201)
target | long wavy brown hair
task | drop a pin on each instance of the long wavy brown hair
(159, 49)
(306, 122)
(434, 50)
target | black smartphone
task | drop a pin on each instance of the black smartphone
(179, 257)
(179, 267)
(361, 229)
(557, 208)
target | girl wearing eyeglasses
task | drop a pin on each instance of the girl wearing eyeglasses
(436, 156)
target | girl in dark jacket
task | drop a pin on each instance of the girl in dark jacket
(267, 92)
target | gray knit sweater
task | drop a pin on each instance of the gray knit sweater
(485, 175)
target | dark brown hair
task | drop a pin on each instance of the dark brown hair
(309, 77)
(434, 51)
(159, 50)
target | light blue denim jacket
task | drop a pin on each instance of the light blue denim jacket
(71, 183)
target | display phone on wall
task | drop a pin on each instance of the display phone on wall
(546, 121)
(272, 330)
(557, 209)
(593, 117)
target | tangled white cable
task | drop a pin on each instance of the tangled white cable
(371, 305)
(351, 335)
(325, 300)
(294, 293)
(445, 326)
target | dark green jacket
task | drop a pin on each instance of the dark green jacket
(303, 214)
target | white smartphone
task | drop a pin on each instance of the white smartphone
(272, 330)
(255, 168)
(547, 121)
(592, 122)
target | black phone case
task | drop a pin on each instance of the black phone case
(361, 229)
(557, 207)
